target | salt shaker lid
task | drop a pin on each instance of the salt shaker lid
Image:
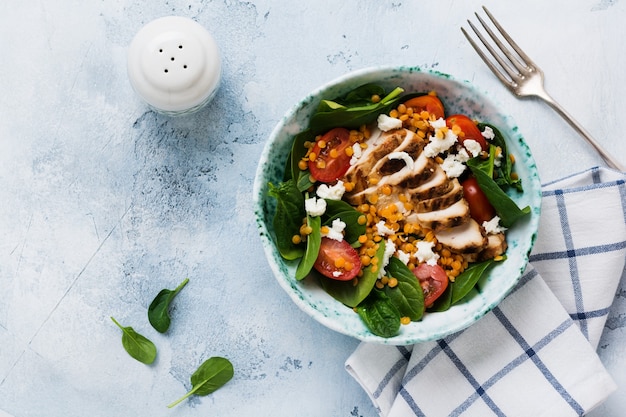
(174, 64)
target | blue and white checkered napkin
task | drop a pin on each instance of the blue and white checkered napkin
(534, 354)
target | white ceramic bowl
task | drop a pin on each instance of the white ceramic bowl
(458, 97)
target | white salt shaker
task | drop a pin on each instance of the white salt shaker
(174, 65)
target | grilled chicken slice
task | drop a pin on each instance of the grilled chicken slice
(496, 245)
(374, 164)
(466, 238)
(378, 146)
(451, 216)
(434, 185)
(443, 200)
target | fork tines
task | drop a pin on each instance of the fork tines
(522, 77)
(513, 63)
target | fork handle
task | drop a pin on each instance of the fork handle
(610, 161)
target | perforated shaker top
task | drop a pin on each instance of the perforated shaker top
(174, 65)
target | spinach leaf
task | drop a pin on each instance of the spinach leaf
(213, 374)
(348, 293)
(408, 295)
(505, 207)
(503, 177)
(363, 95)
(298, 150)
(379, 314)
(338, 209)
(337, 206)
(137, 346)
(353, 229)
(486, 165)
(313, 242)
(343, 113)
(464, 283)
(288, 218)
(158, 313)
(303, 181)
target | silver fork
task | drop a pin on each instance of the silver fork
(524, 78)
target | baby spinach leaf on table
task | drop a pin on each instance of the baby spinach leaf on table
(288, 218)
(331, 113)
(379, 314)
(137, 346)
(313, 242)
(348, 293)
(158, 314)
(408, 295)
(505, 207)
(213, 374)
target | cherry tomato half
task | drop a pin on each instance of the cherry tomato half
(427, 102)
(433, 280)
(469, 128)
(481, 209)
(331, 160)
(337, 260)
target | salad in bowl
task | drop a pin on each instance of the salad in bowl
(397, 205)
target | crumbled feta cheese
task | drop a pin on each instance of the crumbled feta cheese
(337, 274)
(472, 146)
(438, 124)
(390, 249)
(386, 123)
(437, 146)
(425, 252)
(357, 151)
(462, 155)
(493, 227)
(383, 230)
(453, 167)
(334, 192)
(335, 232)
(315, 206)
(404, 257)
(488, 133)
(404, 156)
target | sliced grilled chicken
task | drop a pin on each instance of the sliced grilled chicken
(395, 159)
(434, 185)
(441, 201)
(496, 245)
(375, 164)
(451, 216)
(466, 238)
(378, 146)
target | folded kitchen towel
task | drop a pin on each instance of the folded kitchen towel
(534, 354)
